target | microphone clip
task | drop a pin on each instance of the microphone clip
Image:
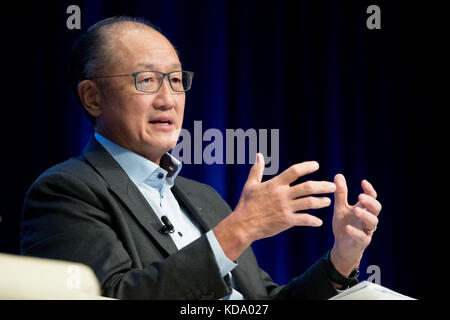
(167, 227)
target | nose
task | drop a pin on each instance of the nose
(164, 96)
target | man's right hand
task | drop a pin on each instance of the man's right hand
(268, 208)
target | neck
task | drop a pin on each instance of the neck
(153, 156)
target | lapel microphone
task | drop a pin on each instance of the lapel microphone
(167, 227)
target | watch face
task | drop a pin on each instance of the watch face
(354, 274)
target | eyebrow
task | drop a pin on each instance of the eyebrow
(152, 66)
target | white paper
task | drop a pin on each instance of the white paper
(369, 291)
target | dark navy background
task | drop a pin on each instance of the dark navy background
(365, 103)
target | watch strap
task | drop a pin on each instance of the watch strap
(337, 277)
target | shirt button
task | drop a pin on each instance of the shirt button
(160, 175)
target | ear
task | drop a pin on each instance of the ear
(90, 96)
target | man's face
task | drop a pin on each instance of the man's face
(146, 123)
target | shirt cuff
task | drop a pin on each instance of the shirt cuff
(225, 264)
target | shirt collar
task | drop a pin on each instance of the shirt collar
(138, 168)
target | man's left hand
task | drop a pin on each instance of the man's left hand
(353, 226)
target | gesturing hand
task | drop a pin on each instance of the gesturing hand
(353, 226)
(268, 208)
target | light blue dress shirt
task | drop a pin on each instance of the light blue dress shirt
(155, 184)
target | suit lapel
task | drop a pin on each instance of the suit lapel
(194, 207)
(122, 187)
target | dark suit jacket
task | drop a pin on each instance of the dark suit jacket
(87, 210)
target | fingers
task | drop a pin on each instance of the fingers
(305, 219)
(310, 203)
(340, 195)
(256, 171)
(369, 220)
(368, 189)
(371, 204)
(312, 187)
(297, 170)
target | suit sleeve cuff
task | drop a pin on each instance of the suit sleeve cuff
(225, 264)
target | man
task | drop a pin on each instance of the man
(104, 208)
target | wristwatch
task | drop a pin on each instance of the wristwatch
(338, 278)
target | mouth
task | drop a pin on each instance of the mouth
(162, 122)
(168, 122)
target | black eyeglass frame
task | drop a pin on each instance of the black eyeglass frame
(164, 75)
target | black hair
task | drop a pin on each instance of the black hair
(88, 52)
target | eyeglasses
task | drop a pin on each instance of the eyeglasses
(151, 81)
